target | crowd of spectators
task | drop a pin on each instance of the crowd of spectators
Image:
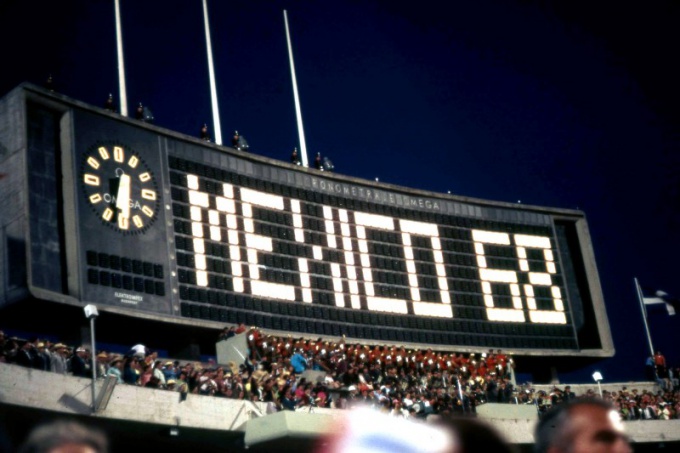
(399, 381)
(632, 404)
(393, 379)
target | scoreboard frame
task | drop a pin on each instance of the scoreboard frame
(208, 235)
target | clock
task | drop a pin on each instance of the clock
(120, 188)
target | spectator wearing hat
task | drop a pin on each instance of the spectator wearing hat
(158, 373)
(58, 358)
(41, 359)
(79, 366)
(116, 369)
(170, 370)
(103, 360)
(664, 411)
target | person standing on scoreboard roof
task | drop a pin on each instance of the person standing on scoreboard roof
(327, 164)
(109, 104)
(581, 426)
(144, 114)
(295, 157)
(49, 84)
(204, 133)
(317, 162)
(650, 369)
(660, 364)
(239, 142)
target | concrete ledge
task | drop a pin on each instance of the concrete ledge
(71, 395)
(42, 390)
(496, 411)
(289, 424)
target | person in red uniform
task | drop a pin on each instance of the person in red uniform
(660, 364)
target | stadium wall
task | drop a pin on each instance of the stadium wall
(71, 396)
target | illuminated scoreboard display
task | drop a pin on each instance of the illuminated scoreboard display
(339, 257)
(162, 224)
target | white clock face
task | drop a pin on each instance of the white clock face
(120, 188)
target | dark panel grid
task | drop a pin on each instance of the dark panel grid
(389, 264)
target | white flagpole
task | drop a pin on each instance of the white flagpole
(211, 71)
(121, 65)
(644, 315)
(298, 113)
(460, 394)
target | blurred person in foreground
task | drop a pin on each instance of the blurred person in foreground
(365, 430)
(581, 425)
(65, 436)
(474, 435)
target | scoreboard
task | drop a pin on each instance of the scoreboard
(159, 224)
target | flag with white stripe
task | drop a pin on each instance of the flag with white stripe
(662, 297)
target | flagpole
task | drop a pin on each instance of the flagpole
(644, 315)
(460, 394)
(298, 113)
(121, 65)
(211, 72)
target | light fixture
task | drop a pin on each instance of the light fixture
(597, 376)
(91, 313)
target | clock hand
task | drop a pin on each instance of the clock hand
(123, 196)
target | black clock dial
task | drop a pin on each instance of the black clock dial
(120, 188)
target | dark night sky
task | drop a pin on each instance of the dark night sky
(561, 104)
